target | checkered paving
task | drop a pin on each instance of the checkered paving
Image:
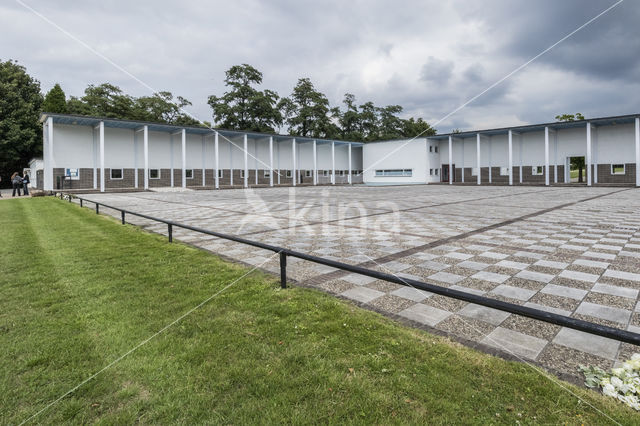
(580, 260)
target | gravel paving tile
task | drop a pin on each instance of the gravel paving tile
(445, 303)
(610, 300)
(539, 329)
(390, 303)
(467, 328)
(559, 302)
(562, 358)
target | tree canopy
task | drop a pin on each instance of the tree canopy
(307, 111)
(55, 100)
(243, 107)
(20, 131)
(570, 117)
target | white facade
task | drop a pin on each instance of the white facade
(535, 154)
(93, 153)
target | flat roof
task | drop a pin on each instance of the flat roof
(602, 121)
(85, 120)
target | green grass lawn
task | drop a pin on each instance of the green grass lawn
(79, 290)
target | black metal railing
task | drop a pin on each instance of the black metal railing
(548, 317)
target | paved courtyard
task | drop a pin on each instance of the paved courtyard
(569, 250)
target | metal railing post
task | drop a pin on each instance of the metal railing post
(170, 230)
(283, 270)
(80, 202)
(123, 217)
(97, 208)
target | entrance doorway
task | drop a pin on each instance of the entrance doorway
(444, 175)
(575, 170)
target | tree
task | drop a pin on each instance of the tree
(307, 112)
(105, 100)
(570, 117)
(161, 108)
(349, 120)
(55, 101)
(244, 107)
(413, 128)
(20, 106)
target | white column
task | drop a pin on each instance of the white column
(315, 163)
(588, 157)
(171, 158)
(101, 138)
(637, 151)
(255, 157)
(217, 166)
(230, 162)
(349, 164)
(555, 157)
(462, 165)
(490, 180)
(95, 157)
(451, 170)
(278, 158)
(270, 160)
(510, 158)
(204, 164)
(333, 163)
(478, 157)
(135, 158)
(47, 130)
(184, 158)
(520, 155)
(246, 162)
(546, 156)
(594, 148)
(294, 176)
(145, 133)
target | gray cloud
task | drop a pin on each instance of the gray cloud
(428, 56)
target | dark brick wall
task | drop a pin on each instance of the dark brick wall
(605, 176)
(528, 177)
(85, 181)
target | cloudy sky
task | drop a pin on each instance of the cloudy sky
(428, 56)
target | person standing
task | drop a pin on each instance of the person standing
(16, 181)
(25, 183)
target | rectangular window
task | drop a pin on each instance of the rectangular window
(241, 173)
(537, 170)
(617, 169)
(267, 173)
(189, 173)
(436, 172)
(395, 173)
(220, 173)
(354, 172)
(289, 173)
(431, 172)
(504, 171)
(436, 150)
(154, 173)
(430, 148)
(116, 174)
(325, 173)
(307, 173)
(341, 172)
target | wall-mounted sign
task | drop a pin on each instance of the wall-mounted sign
(73, 174)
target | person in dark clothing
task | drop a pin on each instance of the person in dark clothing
(25, 183)
(16, 181)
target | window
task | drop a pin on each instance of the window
(189, 173)
(289, 173)
(341, 172)
(437, 172)
(436, 149)
(395, 173)
(430, 148)
(154, 173)
(267, 173)
(354, 172)
(116, 174)
(220, 173)
(307, 173)
(504, 171)
(537, 170)
(241, 173)
(617, 169)
(325, 173)
(431, 172)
